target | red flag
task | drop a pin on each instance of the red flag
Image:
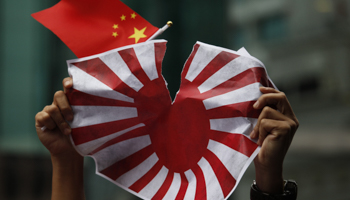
(89, 27)
(197, 147)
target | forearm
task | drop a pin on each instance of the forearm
(67, 179)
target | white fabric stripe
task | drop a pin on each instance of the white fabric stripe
(90, 115)
(174, 187)
(248, 93)
(204, 55)
(227, 155)
(192, 185)
(112, 154)
(242, 51)
(137, 172)
(213, 187)
(88, 147)
(146, 57)
(227, 72)
(153, 186)
(116, 63)
(239, 125)
(84, 82)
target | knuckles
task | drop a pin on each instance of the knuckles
(58, 94)
(267, 110)
(41, 116)
(51, 109)
(294, 124)
(61, 101)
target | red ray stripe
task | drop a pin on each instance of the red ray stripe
(87, 133)
(226, 180)
(121, 167)
(98, 69)
(131, 134)
(252, 75)
(165, 187)
(78, 98)
(159, 49)
(143, 181)
(130, 58)
(249, 76)
(238, 142)
(189, 61)
(215, 65)
(201, 191)
(183, 187)
(244, 109)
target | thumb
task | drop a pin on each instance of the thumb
(67, 84)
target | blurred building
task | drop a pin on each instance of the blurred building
(305, 46)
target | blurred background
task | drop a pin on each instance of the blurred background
(304, 44)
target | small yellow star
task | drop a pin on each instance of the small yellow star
(123, 17)
(114, 34)
(133, 16)
(115, 26)
(138, 34)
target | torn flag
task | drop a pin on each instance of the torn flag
(197, 147)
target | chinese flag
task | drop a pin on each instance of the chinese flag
(90, 27)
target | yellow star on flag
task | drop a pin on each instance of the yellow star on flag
(123, 17)
(115, 26)
(138, 34)
(133, 16)
(114, 34)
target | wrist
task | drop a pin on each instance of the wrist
(290, 192)
(67, 177)
(66, 165)
(269, 179)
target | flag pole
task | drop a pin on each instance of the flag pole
(161, 30)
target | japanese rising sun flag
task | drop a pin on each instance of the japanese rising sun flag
(197, 147)
(89, 27)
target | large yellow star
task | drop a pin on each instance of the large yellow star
(123, 17)
(133, 16)
(138, 34)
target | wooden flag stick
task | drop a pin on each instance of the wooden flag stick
(161, 30)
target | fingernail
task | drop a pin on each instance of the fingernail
(67, 82)
(256, 104)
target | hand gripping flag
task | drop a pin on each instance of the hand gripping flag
(89, 27)
(197, 147)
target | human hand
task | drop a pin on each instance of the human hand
(275, 130)
(67, 164)
(55, 134)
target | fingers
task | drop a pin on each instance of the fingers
(276, 130)
(67, 84)
(270, 119)
(43, 119)
(52, 118)
(60, 100)
(275, 98)
(267, 113)
(56, 115)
